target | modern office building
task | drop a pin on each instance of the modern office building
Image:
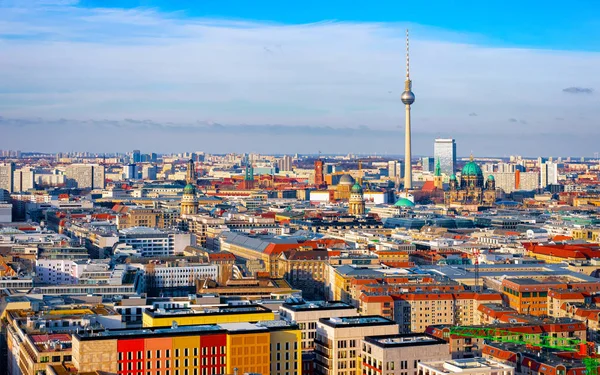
(130, 172)
(428, 164)
(445, 150)
(149, 172)
(136, 156)
(86, 175)
(154, 242)
(548, 174)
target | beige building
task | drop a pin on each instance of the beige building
(339, 340)
(471, 366)
(401, 354)
(307, 315)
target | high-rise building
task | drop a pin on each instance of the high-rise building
(149, 172)
(23, 179)
(392, 168)
(408, 98)
(86, 175)
(286, 163)
(6, 176)
(130, 172)
(136, 155)
(319, 176)
(548, 174)
(427, 163)
(444, 150)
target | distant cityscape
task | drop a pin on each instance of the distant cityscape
(196, 263)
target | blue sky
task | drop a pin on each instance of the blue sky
(503, 78)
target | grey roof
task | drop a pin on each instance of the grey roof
(510, 271)
(258, 244)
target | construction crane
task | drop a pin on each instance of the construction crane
(569, 344)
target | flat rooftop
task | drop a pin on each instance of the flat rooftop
(402, 340)
(213, 310)
(356, 321)
(466, 364)
(317, 305)
(186, 330)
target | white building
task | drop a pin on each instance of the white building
(401, 354)
(23, 179)
(469, 366)
(320, 196)
(173, 275)
(307, 315)
(6, 176)
(339, 341)
(64, 272)
(154, 242)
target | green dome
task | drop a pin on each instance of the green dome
(453, 177)
(356, 189)
(491, 178)
(403, 202)
(471, 169)
(189, 189)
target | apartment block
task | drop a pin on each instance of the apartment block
(339, 340)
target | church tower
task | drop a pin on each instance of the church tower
(356, 203)
(437, 176)
(189, 202)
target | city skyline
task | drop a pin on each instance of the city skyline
(162, 79)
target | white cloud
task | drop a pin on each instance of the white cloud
(61, 61)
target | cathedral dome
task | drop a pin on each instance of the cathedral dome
(346, 180)
(357, 189)
(471, 169)
(189, 189)
(491, 178)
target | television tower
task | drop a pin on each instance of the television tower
(408, 98)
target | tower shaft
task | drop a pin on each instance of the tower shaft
(407, 152)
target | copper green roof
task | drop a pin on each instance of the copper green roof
(189, 189)
(438, 168)
(403, 202)
(356, 188)
(471, 169)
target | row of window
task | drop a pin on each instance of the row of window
(186, 353)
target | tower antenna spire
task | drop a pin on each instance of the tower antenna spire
(407, 58)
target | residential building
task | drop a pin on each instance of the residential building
(206, 315)
(6, 176)
(339, 341)
(401, 354)
(262, 348)
(471, 366)
(307, 315)
(86, 175)
(23, 179)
